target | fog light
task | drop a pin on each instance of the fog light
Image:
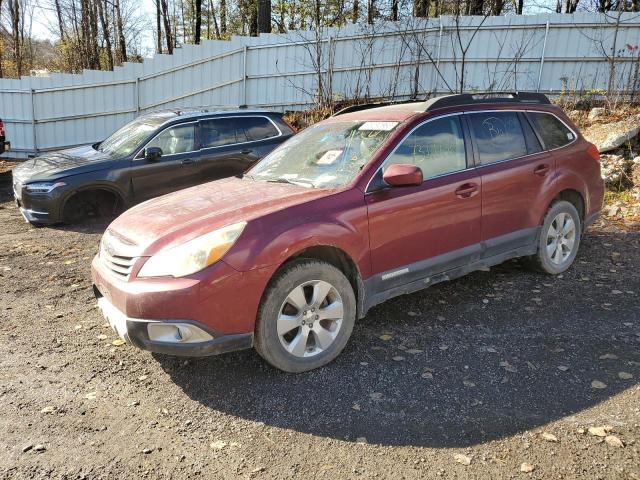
(176, 333)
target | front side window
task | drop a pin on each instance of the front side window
(498, 136)
(174, 140)
(326, 155)
(220, 132)
(437, 148)
(554, 133)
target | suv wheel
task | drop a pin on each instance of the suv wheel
(306, 316)
(559, 239)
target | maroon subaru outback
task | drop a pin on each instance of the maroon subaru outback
(375, 202)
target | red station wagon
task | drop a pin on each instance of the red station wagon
(375, 202)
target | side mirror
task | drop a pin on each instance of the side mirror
(152, 154)
(402, 175)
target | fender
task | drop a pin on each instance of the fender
(564, 180)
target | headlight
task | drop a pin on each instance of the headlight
(194, 255)
(43, 187)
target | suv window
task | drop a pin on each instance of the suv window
(178, 139)
(553, 132)
(221, 131)
(530, 137)
(259, 128)
(498, 136)
(437, 147)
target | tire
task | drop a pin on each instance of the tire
(557, 251)
(291, 333)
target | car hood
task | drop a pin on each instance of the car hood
(54, 165)
(175, 218)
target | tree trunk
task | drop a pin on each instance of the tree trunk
(421, 8)
(198, 5)
(371, 10)
(264, 16)
(121, 41)
(496, 8)
(167, 25)
(58, 15)
(394, 10)
(356, 11)
(475, 7)
(104, 20)
(158, 28)
(223, 16)
(520, 7)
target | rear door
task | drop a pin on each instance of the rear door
(175, 169)
(231, 145)
(515, 172)
(418, 231)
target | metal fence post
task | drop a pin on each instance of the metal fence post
(544, 48)
(245, 49)
(434, 88)
(137, 95)
(33, 121)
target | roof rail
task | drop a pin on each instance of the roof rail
(485, 97)
(366, 106)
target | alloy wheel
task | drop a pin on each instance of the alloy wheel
(561, 238)
(310, 318)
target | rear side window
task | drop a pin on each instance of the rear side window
(221, 131)
(533, 144)
(498, 136)
(437, 147)
(553, 132)
(259, 128)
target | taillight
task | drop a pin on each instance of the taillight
(593, 152)
(1, 129)
(295, 130)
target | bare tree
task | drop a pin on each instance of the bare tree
(264, 16)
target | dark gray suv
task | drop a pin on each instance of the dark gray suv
(155, 154)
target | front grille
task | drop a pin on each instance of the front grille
(117, 256)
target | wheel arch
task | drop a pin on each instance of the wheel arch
(112, 189)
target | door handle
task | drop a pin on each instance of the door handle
(246, 151)
(467, 190)
(187, 161)
(542, 170)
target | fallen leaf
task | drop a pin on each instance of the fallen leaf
(625, 375)
(398, 358)
(413, 351)
(614, 441)
(48, 409)
(375, 396)
(600, 431)
(608, 356)
(91, 395)
(361, 440)
(385, 337)
(427, 375)
(597, 384)
(527, 467)
(102, 336)
(468, 383)
(118, 342)
(218, 444)
(563, 368)
(443, 347)
(463, 459)
(355, 407)
(549, 437)
(508, 367)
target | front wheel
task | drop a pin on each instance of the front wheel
(306, 316)
(559, 239)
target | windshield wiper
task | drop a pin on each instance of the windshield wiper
(291, 182)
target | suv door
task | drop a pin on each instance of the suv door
(515, 171)
(174, 170)
(418, 231)
(231, 145)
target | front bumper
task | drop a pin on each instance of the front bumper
(41, 208)
(170, 337)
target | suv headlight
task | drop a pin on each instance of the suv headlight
(45, 187)
(194, 255)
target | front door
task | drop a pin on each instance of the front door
(418, 231)
(175, 169)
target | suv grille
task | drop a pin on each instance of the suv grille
(117, 255)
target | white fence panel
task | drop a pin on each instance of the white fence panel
(397, 60)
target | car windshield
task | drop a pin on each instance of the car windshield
(126, 140)
(327, 155)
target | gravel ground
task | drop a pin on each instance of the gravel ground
(469, 379)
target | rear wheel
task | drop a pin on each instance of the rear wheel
(306, 316)
(559, 239)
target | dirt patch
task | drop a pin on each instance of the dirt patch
(470, 379)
